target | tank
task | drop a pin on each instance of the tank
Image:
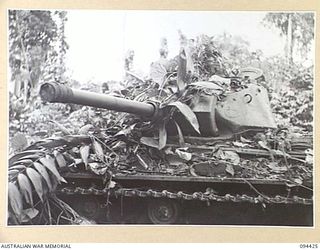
(207, 153)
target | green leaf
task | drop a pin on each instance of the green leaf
(98, 150)
(184, 155)
(111, 184)
(98, 168)
(36, 180)
(158, 72)
(162, 135)
(125, 131)
(13, 172)
(264, 145)
(84, 152)
(15, 200)
(85, 129)
(180, 135)
(244, 140)
(28, 214)
(54, 182)
(149, 141)
(25, 188)
(188, 114)
(42, 170)
(49, 163)
(240, 144)
(230, 170)
(18, 156)
(60, 159)
(193, 172)
(25, 162)
(232, 157)
(30, 157)
(276, 168)
(17, 167)
(119, 145)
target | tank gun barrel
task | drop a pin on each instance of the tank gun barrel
(59, 93)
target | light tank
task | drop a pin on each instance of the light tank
(217, 152)
(196, 150)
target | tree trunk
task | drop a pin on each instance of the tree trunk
(289, 42)
(25, 73)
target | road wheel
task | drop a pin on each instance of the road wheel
(163, 211)
(89, 207)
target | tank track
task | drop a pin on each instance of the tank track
(180, 195)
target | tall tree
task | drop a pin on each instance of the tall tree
(37, 48)
(298, 28)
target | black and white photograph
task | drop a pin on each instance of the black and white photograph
(160, 117)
